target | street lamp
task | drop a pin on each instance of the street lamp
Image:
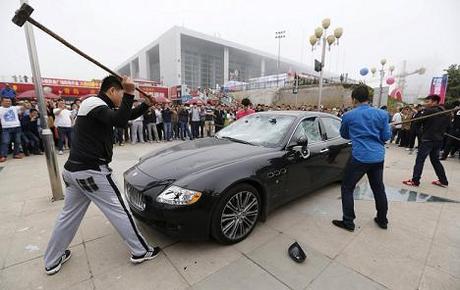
(382, 72)
(279, 35)
(320, 38)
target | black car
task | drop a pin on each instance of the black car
(220, 186)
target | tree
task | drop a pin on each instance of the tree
(453, 84)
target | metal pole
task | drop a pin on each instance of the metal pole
(382, 74)
(323, 56)
(47, 135)
(278, 63)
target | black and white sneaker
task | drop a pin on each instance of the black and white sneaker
(53, 270)
(148, 256)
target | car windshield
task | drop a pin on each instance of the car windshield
(258, 129)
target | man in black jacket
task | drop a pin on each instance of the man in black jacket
(433, 130)
(452, 144)
(88, 177)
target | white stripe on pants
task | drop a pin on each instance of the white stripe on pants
(85, 186)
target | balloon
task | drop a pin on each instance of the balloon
(390, 80)
(383, 61)
(373, 70)
(364, 71)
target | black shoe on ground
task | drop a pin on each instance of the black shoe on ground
(342, 225)
(148, 256)
(380, 224)
(53, 270)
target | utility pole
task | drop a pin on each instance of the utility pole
(279, 35)
(47, 135)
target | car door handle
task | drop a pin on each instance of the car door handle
(324, 150)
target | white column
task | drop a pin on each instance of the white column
(144, 66)
(226, 67)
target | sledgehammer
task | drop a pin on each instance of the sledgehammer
(23, 14)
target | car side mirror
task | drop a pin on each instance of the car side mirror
(300, 146)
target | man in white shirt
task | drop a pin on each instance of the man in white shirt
(63, 122)
(137, 128)
(397, 118)
(11, 129)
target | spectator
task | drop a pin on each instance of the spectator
(209, 122)
(31, 137)
(8, 92)
(220, 118)
(137, 128)
(246, 109)
(415, 129)
(11, 129)
(159, 122)
(406, 116)
(150, 120)
(175, 123)
(184, 117)
(63, 122)
(397, 118)
(202, 120)
(451, 144)
(166, 114)
(195, 117)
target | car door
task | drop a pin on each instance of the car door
(338, 149)
(306, 174)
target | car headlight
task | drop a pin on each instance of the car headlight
(176, 195)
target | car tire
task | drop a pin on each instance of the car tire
(231, 223)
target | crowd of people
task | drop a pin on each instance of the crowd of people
(21, 130)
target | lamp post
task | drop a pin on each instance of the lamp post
(320, 38)
(382, 73)
(279, 35)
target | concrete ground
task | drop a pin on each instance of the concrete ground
(420, 250)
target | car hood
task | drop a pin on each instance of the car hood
(194, 156)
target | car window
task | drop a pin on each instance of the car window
(332, 127)
(308, 128)
(259, 129)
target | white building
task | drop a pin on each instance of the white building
(183, 56)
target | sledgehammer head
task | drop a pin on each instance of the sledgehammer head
(22, 14)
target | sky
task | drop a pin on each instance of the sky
(424, 33)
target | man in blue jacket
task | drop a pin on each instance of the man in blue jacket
(368, 129)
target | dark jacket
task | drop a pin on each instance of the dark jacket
(220, 117)
(92, 142)
(150, 117)
(433, 128)
(184, 115)
(166, 114)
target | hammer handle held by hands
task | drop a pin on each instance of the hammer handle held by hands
(425, 117)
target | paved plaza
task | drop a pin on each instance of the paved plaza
(420, 250)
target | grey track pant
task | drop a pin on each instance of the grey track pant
(137, 132)
(85, 186)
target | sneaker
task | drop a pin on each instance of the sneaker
(53, 270)
(342, 225)
(380, 224)
(60, 152)
(18, 156)
(148, 256)
(410, 182)
(2, 159)
(438, 183)
(407, 149)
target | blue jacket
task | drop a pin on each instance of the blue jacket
(368, 130)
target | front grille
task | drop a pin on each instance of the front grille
(135, 197)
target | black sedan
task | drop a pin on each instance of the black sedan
(221, 186)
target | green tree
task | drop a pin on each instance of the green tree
(453, 84)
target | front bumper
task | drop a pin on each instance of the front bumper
(190, 222)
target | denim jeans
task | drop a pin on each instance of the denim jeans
(168, 130)
(185, 130)
(354, 171)
(63, 133)
(432, 149)
(8, 135)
